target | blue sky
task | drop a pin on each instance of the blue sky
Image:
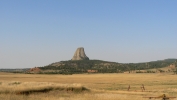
(40, 32)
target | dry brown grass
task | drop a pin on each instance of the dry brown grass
(102, 86)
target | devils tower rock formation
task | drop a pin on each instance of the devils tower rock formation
(80, 54)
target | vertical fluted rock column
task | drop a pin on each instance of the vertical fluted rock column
(80, 54)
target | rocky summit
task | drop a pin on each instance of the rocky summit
(80, 54)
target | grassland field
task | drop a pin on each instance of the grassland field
(100, 86)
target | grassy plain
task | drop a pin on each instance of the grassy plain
(101, 86)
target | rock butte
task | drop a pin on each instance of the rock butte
(80, 54)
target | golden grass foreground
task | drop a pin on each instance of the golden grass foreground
(86, 86)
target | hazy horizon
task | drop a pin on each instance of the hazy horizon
(38, 33)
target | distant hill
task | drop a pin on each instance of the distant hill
(15, 70)
(170, 60)
(84, 66)
(98, 66)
